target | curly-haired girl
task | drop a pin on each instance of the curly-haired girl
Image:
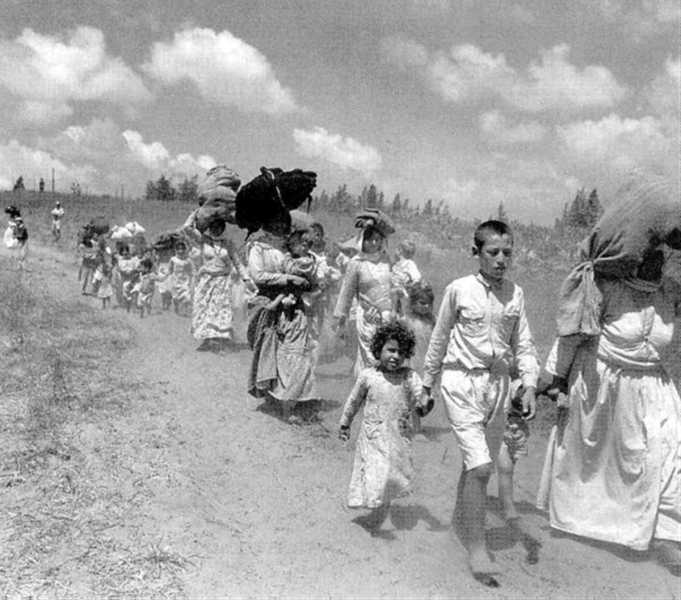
(390, 392)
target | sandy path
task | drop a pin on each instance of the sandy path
(256, 506)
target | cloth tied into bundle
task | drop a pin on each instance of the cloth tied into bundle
(217, 197)
(647, 208)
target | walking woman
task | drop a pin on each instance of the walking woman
(613, 469)
(367, 279)
(212, 311)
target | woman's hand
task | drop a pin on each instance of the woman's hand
(344, 433)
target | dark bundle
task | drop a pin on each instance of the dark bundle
(98, 225)
(13, 212)
(268, 199)
(167, 241)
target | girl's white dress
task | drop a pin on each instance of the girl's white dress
(383, 467)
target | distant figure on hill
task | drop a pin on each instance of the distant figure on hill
(41, 185)
(19, 184)
(57, 215)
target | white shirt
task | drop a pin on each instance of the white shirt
(479, 325)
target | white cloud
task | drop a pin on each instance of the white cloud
(467, 73)
(344, 152)
(224, 68)
(48, 73)
(618, 144)
(155, 157)
(663, 95)
(497, 130)
(554, 83)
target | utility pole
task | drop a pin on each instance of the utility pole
(53, 181)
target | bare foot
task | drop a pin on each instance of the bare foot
(668, 554)
(483, 569)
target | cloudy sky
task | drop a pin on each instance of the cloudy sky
(473, 102)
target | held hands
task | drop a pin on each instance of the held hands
(529, 404)
(297, 281)
(344, 433)
(424, 407)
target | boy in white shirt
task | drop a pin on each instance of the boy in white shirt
(481, 330)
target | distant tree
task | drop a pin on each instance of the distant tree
(380, 203)
(161, 189)
(594, 210)
(501, 213)
(428, 207)
(396, 207)
(371, 197)
(19, 184)
(405, 205)
(577, 214)
(188, 190)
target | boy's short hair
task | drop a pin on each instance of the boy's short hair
(407, 248)
(490, 227)
(394, 330)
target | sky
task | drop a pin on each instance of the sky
(468, 102)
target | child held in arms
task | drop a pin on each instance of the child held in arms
(481, 330)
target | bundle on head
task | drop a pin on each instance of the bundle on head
(167, 241)
(268, 199)
(372, 217)
(217, 197)
(13, 212)
(98, 225)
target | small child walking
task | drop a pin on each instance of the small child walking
(419, 318)
(105, 290)
(181, 272)
(144, 288)
(481, 332)
(390, 392)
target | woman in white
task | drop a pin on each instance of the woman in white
(367, 279)
(613, 470)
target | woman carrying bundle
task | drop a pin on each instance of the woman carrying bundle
(367, 279)
(212, 311)
(613, 469)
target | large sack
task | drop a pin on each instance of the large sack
(167, 241)
(119, 233)
(217, 197)
(268, 198)
(135, 228)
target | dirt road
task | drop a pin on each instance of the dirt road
(236, 503)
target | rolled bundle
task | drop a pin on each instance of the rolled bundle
(267, 199)
(217, 197)
(120, 233)
(167, 241)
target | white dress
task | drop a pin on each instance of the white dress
(614, 469)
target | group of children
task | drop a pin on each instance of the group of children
(480, 351)
(133, 272)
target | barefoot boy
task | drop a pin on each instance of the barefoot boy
(481, 330)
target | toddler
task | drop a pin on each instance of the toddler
(144, 287)
(390, 392)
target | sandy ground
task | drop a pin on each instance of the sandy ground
(251, 507)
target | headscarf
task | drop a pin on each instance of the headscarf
(646, 208)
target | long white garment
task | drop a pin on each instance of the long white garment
(615, 473)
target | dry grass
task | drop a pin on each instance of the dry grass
(63, 501)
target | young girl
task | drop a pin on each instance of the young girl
(144, 288)
(181, 272)
(420, 320)
(105, 290)
(390, 392)
(163, 279)
(125, 275)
